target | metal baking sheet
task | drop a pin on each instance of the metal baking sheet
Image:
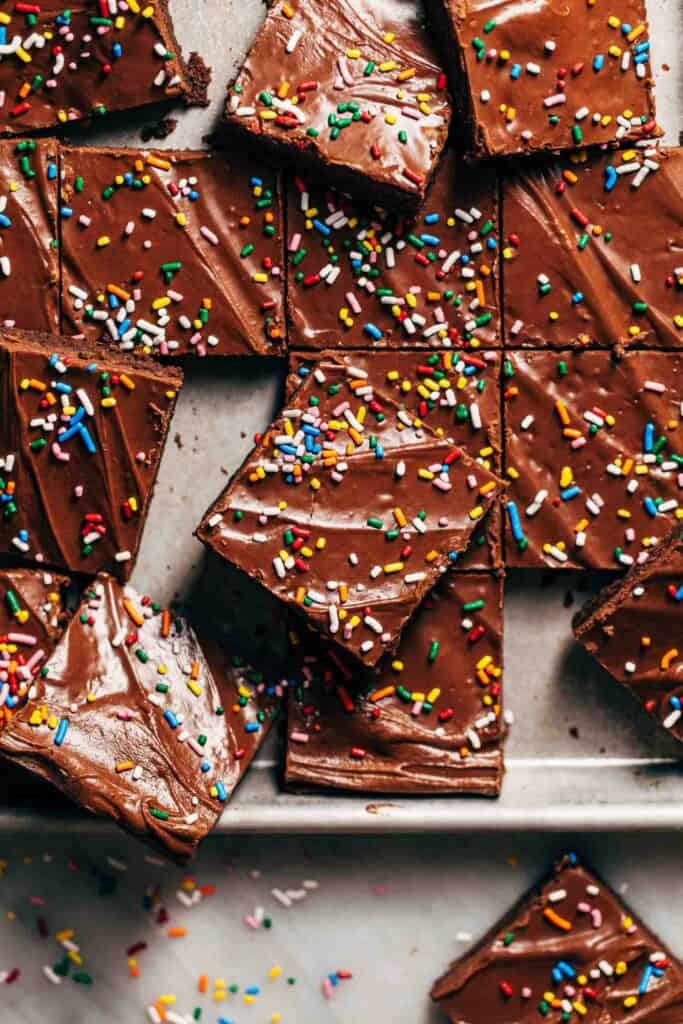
(581, 755)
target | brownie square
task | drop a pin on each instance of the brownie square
(431, 721)
(81, 442)
(132, 718)
(172, 252)
(594, 453)
(349, 89)
(592, 251)
(570, 950)
(360, 276)
(62, 64)
(347, 511)
(537, 76)
(29, 258)
(457, 395)
(634, 629)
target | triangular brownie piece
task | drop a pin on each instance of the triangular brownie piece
(133, 719)
(570, 951)
(634, 628)
(81, 439)
(348, 511)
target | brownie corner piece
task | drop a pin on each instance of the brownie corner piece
(351, 88)
(346, 512)
(532, 77)
(569, 950)
(591, 255)
(172, 253)
(133, 717)
(68, 64)
(633, 628)
(82, 438)
(430, 721)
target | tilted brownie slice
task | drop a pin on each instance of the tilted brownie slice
(431, 722)
(569, 951)
(351, 90)
(635, 630)
(81, 439)
(360, 277)
(535, 76)
(592, 251)
(29, 257)
(62, 64)
(594, 453)
(349, 512)
(134, 719)
(456, 394)
(172, 252)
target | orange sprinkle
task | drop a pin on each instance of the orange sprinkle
(165, 623)
(203, 983)
(559, 922)
(133, 613)
(177, 933)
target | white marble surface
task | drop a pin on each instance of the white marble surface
(387, 909)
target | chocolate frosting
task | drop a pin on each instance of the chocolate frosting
(29, 261)
(431, 719)
(134, 720)
(360, 277)
(379, 511)
(536, 75)
(573, 939)
(89, 59)
(635, 630)
(82, 438)
(369, 68)
(455, 394)
(172, 252)
(592, 251)
(594, 456)
(32, 619)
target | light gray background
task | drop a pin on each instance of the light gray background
(432, 888)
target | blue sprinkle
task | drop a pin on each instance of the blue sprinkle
(5, 222)
(253, 990)
(645, 980)
(577, 297)
(252, 727)
(431, 218)
(515, 71)
(598, 61)
(222, 792)
(322, 228)
(117, 51)
(570, 492)
(430, 239)
(23, 535)
(373, 332)
(205, 766)
(515, 521)
(171, 719)
(650, 507)
(256, 182)
(678, 596)
(61, 732)
(51, 171)
(648, 437)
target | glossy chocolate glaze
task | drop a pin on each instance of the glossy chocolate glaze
(635, 630)
(384, 507)
(455, 394)
(602, 463)
(29, 258)
(575, 940)
(376, 56)
(155, 736)
(361, 277)
(592, 251)
(537, 75)
(392, 738)
(217, 215)
(78, 465)
(125, 59)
